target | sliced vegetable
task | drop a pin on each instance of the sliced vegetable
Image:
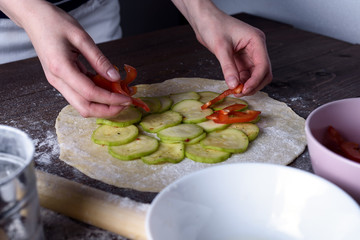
(338, 144)
(250, 129)
(199, 154)
(177, 97)
(351, 150)
(210, 126)
(191, 110)
(126, 117)
(167, 152)
(158, 121)
(228, 140)
(228, 101)
(153, 103)
(206, 96)
(122, 86)
(228, 92)
(181, 132)
(166, 103)
(143, 145)
(139, 103)
(131, 74)
(114, 136)
(228, 117)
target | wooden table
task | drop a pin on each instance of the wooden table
(309, 70)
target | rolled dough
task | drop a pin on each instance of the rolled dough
(280, 141)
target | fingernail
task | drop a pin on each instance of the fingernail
(232, 82)
(113, 74)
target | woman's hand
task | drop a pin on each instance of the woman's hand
(239, 47)
(59, 40)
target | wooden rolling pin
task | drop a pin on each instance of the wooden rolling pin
(101, 209)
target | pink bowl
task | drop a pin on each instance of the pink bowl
(344, 116)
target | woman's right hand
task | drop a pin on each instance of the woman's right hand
(59, 40)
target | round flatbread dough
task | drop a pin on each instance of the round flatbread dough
(280, 141)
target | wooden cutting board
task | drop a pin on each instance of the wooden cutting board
(101, 209)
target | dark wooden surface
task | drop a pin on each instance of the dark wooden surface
(309, 70)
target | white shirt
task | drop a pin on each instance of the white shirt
(15, 44)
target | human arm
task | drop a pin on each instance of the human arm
(59, 40)
(239, 47)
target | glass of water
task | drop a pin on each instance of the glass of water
(19, 203)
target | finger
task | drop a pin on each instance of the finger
(83, 86)
(265, 82)
(253, 85)
(229, 69)
(261, 70)
(85, 107)
(95, 57)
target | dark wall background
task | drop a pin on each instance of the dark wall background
(141, 16)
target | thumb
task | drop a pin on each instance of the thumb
(98, 61)
(229, 69)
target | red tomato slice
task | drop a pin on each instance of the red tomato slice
(351, 150)
(226, 93)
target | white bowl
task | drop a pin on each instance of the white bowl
(253, 201)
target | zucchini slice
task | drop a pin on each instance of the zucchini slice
(178, 97)
(210, 126)
(228, 140)
(191, 110)
(227, 102)
(181, 132)
(250, 129)
(197, 139)
(167, 152)
(143, 145)
(166, 103)
(153, 103)
(198, 153)
(126, 117)
(158, 121)
(206, 96)
(114, 136)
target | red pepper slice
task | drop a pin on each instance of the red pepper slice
(131, 74)
(237, 116)
(121, 87)
(137, 102)
(333, 140)
(235, 107)
(351, 150)
(100, 81)
(224, 94)
(338, 144)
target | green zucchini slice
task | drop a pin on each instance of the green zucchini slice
(143, 145)
(178, 97)
(198, 153)
(114, 136)
(227, 102)
(158, 121)
(210, 126)
(228, 140)
(250, 129)
(167, 152)
(191, 110)
(181, 132)
(126, 117)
